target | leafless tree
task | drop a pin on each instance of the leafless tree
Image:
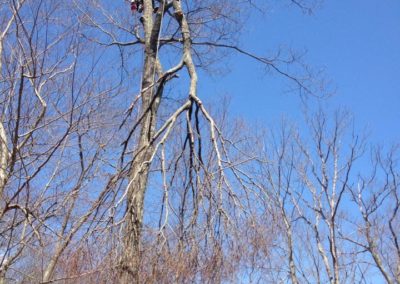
(326, 176)
(307, 178)
(377, 199)
(52, 137)
(188, 34)
(84, 159)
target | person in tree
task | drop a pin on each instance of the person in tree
(137, 5)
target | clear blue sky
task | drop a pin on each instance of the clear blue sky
(358, 44)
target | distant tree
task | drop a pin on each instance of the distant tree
(377, 198)
(333, 210)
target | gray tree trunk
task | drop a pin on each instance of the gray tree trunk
(130, 265)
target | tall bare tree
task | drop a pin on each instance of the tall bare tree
(187, 33)
(81, 156)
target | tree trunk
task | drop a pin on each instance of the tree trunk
(130, 266)
(3, 139)
(3, 158)
(292, 265)
(3, 278)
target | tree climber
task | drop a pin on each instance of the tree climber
(137, 5)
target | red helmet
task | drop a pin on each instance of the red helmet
(133, 6)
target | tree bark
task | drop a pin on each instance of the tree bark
(3, 158)
(130, 266)
(289, 237)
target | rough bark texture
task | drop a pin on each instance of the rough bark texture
(150, 95)
(140, 168)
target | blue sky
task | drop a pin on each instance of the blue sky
(357, 43)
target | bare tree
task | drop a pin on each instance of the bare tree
(279, 172)
(52, 138)
(326, 174)
(79, 164)
(187, 33)
(308, 180)
(377, 199)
